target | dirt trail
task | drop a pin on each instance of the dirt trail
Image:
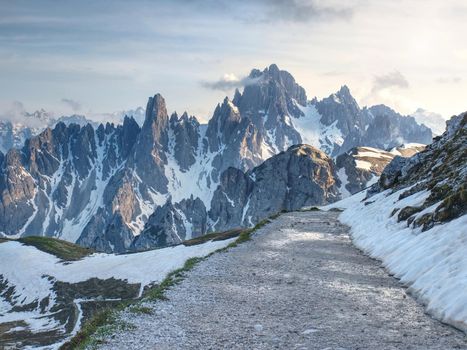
(299, 284)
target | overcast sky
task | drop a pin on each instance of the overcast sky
(94, 56)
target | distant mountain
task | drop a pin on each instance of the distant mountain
(80, 120)
(169, 177)
(434, 121)
(138, 115)
(15, 131)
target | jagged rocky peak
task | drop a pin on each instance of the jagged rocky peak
(156, 121)
(172, 224)
(152, 146)
(223, 124)
(266, 89)
(343, 109)
(185, 140)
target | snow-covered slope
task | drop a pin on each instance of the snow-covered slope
(414, 220)
(432, 263)
(43, 300)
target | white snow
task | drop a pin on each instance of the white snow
(309, 126)
(196, 180)
(406, 146)
(245, 211)
(313, 132)
(363, 164)
(373, 153)
(231, 202)
(344, 181)
(432, 263)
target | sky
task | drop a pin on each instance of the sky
(100, 56)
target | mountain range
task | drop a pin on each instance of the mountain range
(126, 187)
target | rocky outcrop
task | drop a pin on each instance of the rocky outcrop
(439, 169)
(361, 167)
(301, 176)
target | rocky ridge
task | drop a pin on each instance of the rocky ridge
(101, 187)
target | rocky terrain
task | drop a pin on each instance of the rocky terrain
(441, 169)
(103, 186)
(361, 167)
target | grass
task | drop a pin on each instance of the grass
(215, 236)
(106, 321)
(103, 323)
(139, 309)
(61, 249)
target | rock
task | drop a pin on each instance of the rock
(301, 176)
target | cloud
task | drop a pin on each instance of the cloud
(449, 80)
(272, 11)
(228, 82)
(390, 80)
(74, 105)
(303, 11)
(15, 112)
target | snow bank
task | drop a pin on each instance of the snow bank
(433, 264)
(27, 269)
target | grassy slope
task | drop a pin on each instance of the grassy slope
(61, 249)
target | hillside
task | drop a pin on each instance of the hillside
(414, 220)
(47, 294)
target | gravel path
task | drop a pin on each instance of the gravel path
(299, 284)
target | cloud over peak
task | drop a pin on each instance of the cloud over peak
(227, 83)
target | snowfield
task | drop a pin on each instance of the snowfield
(27, 269)
(433, 264)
